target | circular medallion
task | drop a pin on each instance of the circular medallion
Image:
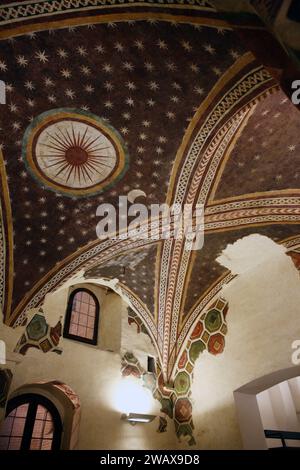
(74, 152)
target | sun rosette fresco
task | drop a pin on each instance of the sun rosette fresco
(74, 152)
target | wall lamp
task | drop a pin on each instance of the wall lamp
(134, 418)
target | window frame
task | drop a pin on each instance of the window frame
(66, 331)
(33, 400)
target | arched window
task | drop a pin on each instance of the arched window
(82, 317)
(32, 422)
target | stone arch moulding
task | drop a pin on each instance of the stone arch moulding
(33, 17)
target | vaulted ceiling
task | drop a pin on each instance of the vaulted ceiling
(179, 108)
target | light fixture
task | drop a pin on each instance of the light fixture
(134, 418)
(131, 396)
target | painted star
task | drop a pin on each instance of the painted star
(139, 44)
(194, 68)
(186, 46)
(153, 86)
(3, 66)
(170, 115)
(234, 54)
(51, 98)
(199, 90)
(48, 81)
(70, 93)
(208, 48)
(108, 104)
(152, 21)
(119, 47)
(131, 86)
(66, 73)
(13, 108)
(81, 51)
(89, 88)
(171, 66)
(129, 101)
(107, 68)
(151, 103)
(100, 49)
(124, 130)
(41, 56)
(85, 70)
(108, 86)
(217, 71)
(162, 44)
(128, 66)
(62, 53)
(22, 61)
(149, 66)
(29, 85)
(176, 86)
(30, 102)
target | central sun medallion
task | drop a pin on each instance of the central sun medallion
(74, 152)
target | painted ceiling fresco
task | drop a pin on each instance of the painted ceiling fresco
(145, 80)
(108, 97)
(273, 131)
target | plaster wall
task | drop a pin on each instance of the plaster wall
(263, 321)
(95, 375)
